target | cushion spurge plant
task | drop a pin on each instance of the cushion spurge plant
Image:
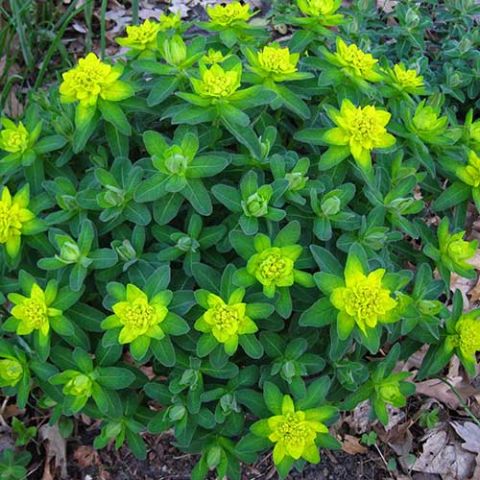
(235, 236)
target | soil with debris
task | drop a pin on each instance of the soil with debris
(165, 462)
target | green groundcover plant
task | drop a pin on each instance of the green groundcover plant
(265, 228)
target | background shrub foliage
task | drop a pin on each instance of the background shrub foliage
(250, 221)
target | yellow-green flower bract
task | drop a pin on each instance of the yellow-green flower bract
(15, 218)
(275, 59)
(79, 385)
(229, 14)
(274, 267)
(216, 82)
(33, 312)
(226, 321)
(91, 79)
(427, 120)
(468, 330)
(470, 173)
(454, 250)
(141, 37)
(11, 372)
(294, 433)
(325, 10)
(362, 129)
(465, 340)
(407, 80)
(363, 301)
(213, 56)
(355, 62)
(138, 316)
(14, 138)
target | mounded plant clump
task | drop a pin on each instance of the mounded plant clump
(237, 238)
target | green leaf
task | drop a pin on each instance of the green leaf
(114, 378)
(161, 89)
(165, 209)
(228, 196)
(158, 281)
(198, 196)
(164, 352)
(246, 136)
(137, 213)
(456, 193)
(320, 314)
(207, 165)
(273, 398)
(206, 277)
(50, 143)
(151, 189)
(233, 115)
(175, 325)
(251, 346)
(205, 345)
(326, 261)
(118, 143)
(114, 114)
(293, 102)
(332, 157)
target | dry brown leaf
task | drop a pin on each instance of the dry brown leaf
(6, 440)
(470, 433)
(86, 456)
(398, 438)
(359, 420)
(56, 448)
(444, 457)
(464, 285)
(475, 261)
(387, 5)
(395, 416)
(352, 445)
(474, 293)
(443, 393)
(47, 474)
(476, 472)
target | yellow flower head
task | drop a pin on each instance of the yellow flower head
(33, 312)
(141, 37)
(363, 300)
(273, 267)
(217, 82)
(171, 21)
(226, 321)
(14, 138)
(294, 433)
(470, 173)
(408, 80)
(475, 131)
(361, 129)
(276, 59)
(319, 8)
(11, 372)
(137, 316)
(14, 218)
(90, 79)
(356, 62)
(229, 14)
(427, 120)
(468, 330)
(213, 56)
(80, 385)
(389, 389)
(454, 250)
